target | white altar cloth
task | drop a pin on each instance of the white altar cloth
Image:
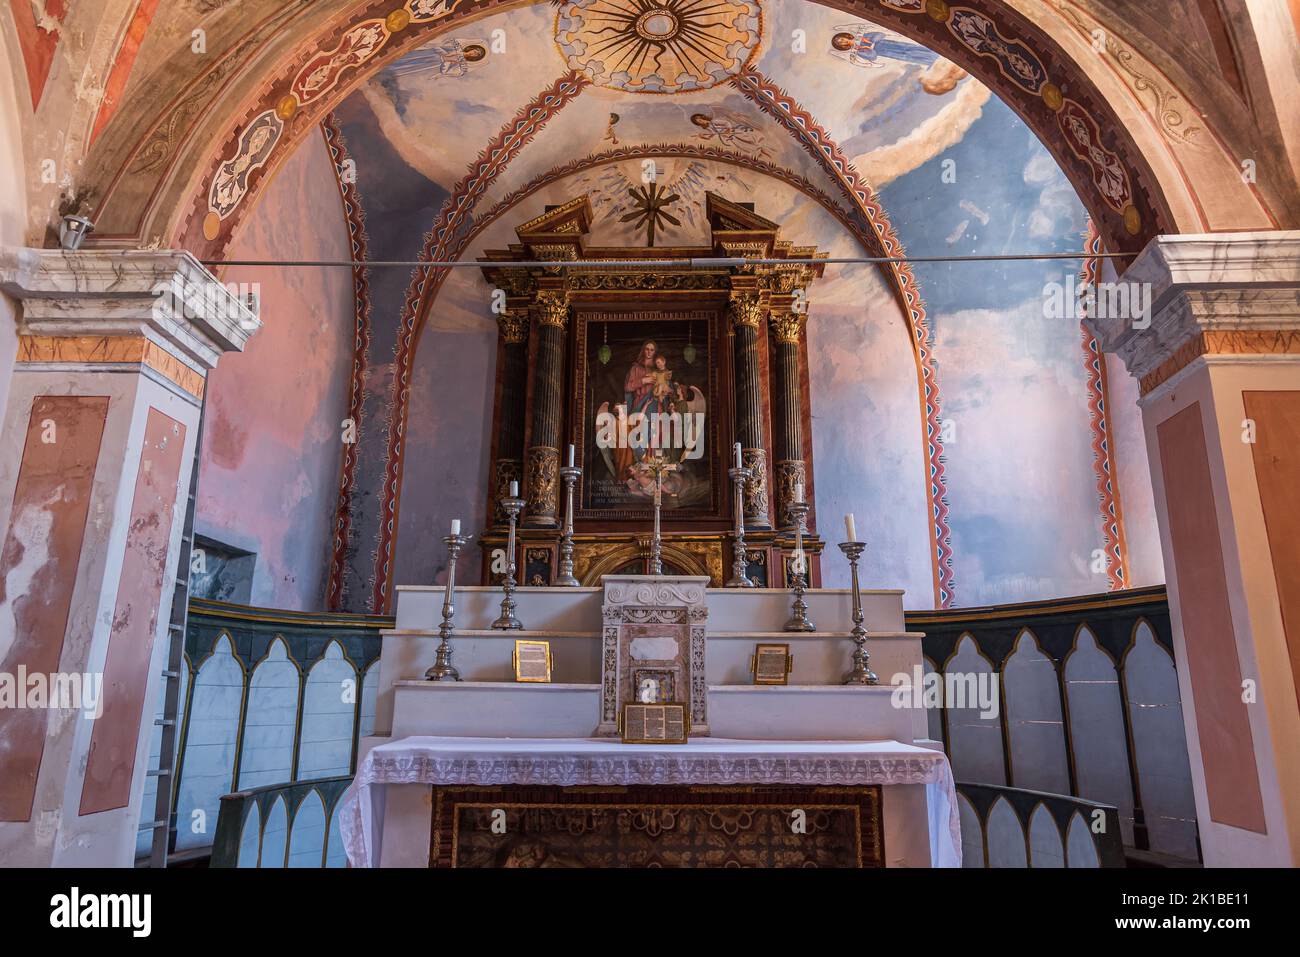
(566, 762)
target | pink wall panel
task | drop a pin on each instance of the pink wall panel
(1277, 473)
(38, 571)
(145, 570)
(1227, 747)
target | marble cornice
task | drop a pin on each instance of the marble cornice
(166, 296)
(1199, 286)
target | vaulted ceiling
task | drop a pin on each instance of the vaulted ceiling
(164, 120)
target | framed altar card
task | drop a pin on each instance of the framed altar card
(667, 723)
(532, 660)
(771, 664)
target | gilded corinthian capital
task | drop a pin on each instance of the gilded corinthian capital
(552, 308)
(787, 326)
(513, 325)
(746, 310)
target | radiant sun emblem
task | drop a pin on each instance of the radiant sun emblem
(658, 46)
(651, 210)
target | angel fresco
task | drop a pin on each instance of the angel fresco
(450, 59)
(730, 129)
(866, 45)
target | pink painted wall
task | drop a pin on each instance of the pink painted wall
(13, 218)
(271, 441)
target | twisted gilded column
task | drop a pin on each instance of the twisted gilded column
(551, 310)
(509, 464)
(787, 411)
(746, 320)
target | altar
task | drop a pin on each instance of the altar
(651, 666)
(430, 801)
(789, 765)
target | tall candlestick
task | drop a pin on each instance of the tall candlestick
(512, 507)
(442, 669)
(860, 674)
(850, 528)
(570, 475)
(739, 579)
(799, 620)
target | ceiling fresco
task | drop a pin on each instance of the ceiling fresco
(890, 103)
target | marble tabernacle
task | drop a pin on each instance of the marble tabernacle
(696, 642)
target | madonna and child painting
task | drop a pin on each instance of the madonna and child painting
(646, 387)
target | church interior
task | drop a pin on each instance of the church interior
(650, 433)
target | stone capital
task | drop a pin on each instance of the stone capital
(513, 325)
(746, 309)
(787, 326)
(552, 307)
(164, 297)
(1232, 294)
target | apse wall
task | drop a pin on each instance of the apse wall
(273, 429)
(1014, 483)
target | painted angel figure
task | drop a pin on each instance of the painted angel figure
(865, 44)
(451, 58)
(730, 129)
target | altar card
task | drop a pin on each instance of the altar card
(654, 723)
(771, 664)
(532, 660)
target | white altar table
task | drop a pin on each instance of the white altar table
(567, 762)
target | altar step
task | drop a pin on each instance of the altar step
(419, 607)
(509, 709)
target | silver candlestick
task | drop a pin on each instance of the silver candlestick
(511, 506)
(443, 669)
(799, 620)
(861, 674)
(739, 476)
(569, 474)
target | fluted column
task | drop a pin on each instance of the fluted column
(543, 493)
(787, 410)
(747, 319)
(509, 464)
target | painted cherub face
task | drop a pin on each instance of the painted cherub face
(660, 364)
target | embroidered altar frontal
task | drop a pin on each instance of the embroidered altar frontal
(657, 826)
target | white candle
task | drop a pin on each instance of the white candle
(570, 455)
(738, 465)
(798, 492)
(848, 527)
(455, 526)
(514, 489)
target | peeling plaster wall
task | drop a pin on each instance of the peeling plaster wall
(271, 442)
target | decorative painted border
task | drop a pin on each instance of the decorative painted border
(817, 141)
(445, 242)
(1103, 458)
(355, 220)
